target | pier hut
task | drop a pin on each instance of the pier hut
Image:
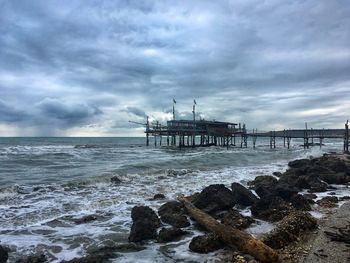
(192, 133)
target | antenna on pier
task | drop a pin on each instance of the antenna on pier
(194, 110)
(174, 102)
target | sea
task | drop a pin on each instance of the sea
(48, 184)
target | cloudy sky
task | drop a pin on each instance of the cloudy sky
(84, 68)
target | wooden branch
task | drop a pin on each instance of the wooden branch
(231, 236)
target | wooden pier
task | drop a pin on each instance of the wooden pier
(203, 133)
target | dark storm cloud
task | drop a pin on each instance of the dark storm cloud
(66, 64)
(67, 113)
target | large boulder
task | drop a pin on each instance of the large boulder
(173, 214)
(289, 229)
(3, 255)
(242, 195)
(266, 181)
(145, 224)
(206, 244)
(317, 186)
(285, 190)
(300, 163)
(300, 202)
(170, 234)
(236, 220)
(215, 197)
(328, 201)
(271, 209)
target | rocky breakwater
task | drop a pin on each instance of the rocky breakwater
(284, 199)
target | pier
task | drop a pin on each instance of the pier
(204, 133)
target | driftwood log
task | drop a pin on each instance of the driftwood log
(231, 236)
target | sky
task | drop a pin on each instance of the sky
(85, 68)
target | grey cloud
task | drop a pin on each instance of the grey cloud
(69, 114)
(10, 114)
(136, 111)
(226, 54)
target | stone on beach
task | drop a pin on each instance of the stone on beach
(242, 195)
(328, 201)
(215, 197)
(3, 254)
(145, 224)
(33, 259)
(170, 234)
(290, 228)
(235, 219)
(173, 214)
(206, 243)
(271, 209)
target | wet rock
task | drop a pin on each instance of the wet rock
(328, 201)
(271, 209)
(215, 197)
(310, 198)
(145, 224)
(85, 219)
(173, 214)
(335, 178)
(170, 234)
(158, 197)
(300, 202)
(289, 229)
(242, 195)
(3, 255)
(33, 259)
(344, 198)
(317, 186)
(266, 181)
(285, 190)
(116, 180)
(300, 163)
(277, 174)
(205, 244)
(236, 220)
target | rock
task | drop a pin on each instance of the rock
(300, 163)
(116, 180)
(170, 234)
(335, 178)
(236, 220)
(85, 219)
(344, 198)
(33, 259)
(317, 186)
(310, 197)
(289, 229)
(173, 214)
(271, 209)
(277, 174)
(3, 255)
(206, 244)
(176, 220)
(242, 195)
(263, 185)
(285, 191)
(328, 201)
(215, 197)
(145, 224)
(300, 202)
(266, 181)
(158, 197)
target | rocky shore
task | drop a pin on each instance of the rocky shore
(284, 199)
(289, 201)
